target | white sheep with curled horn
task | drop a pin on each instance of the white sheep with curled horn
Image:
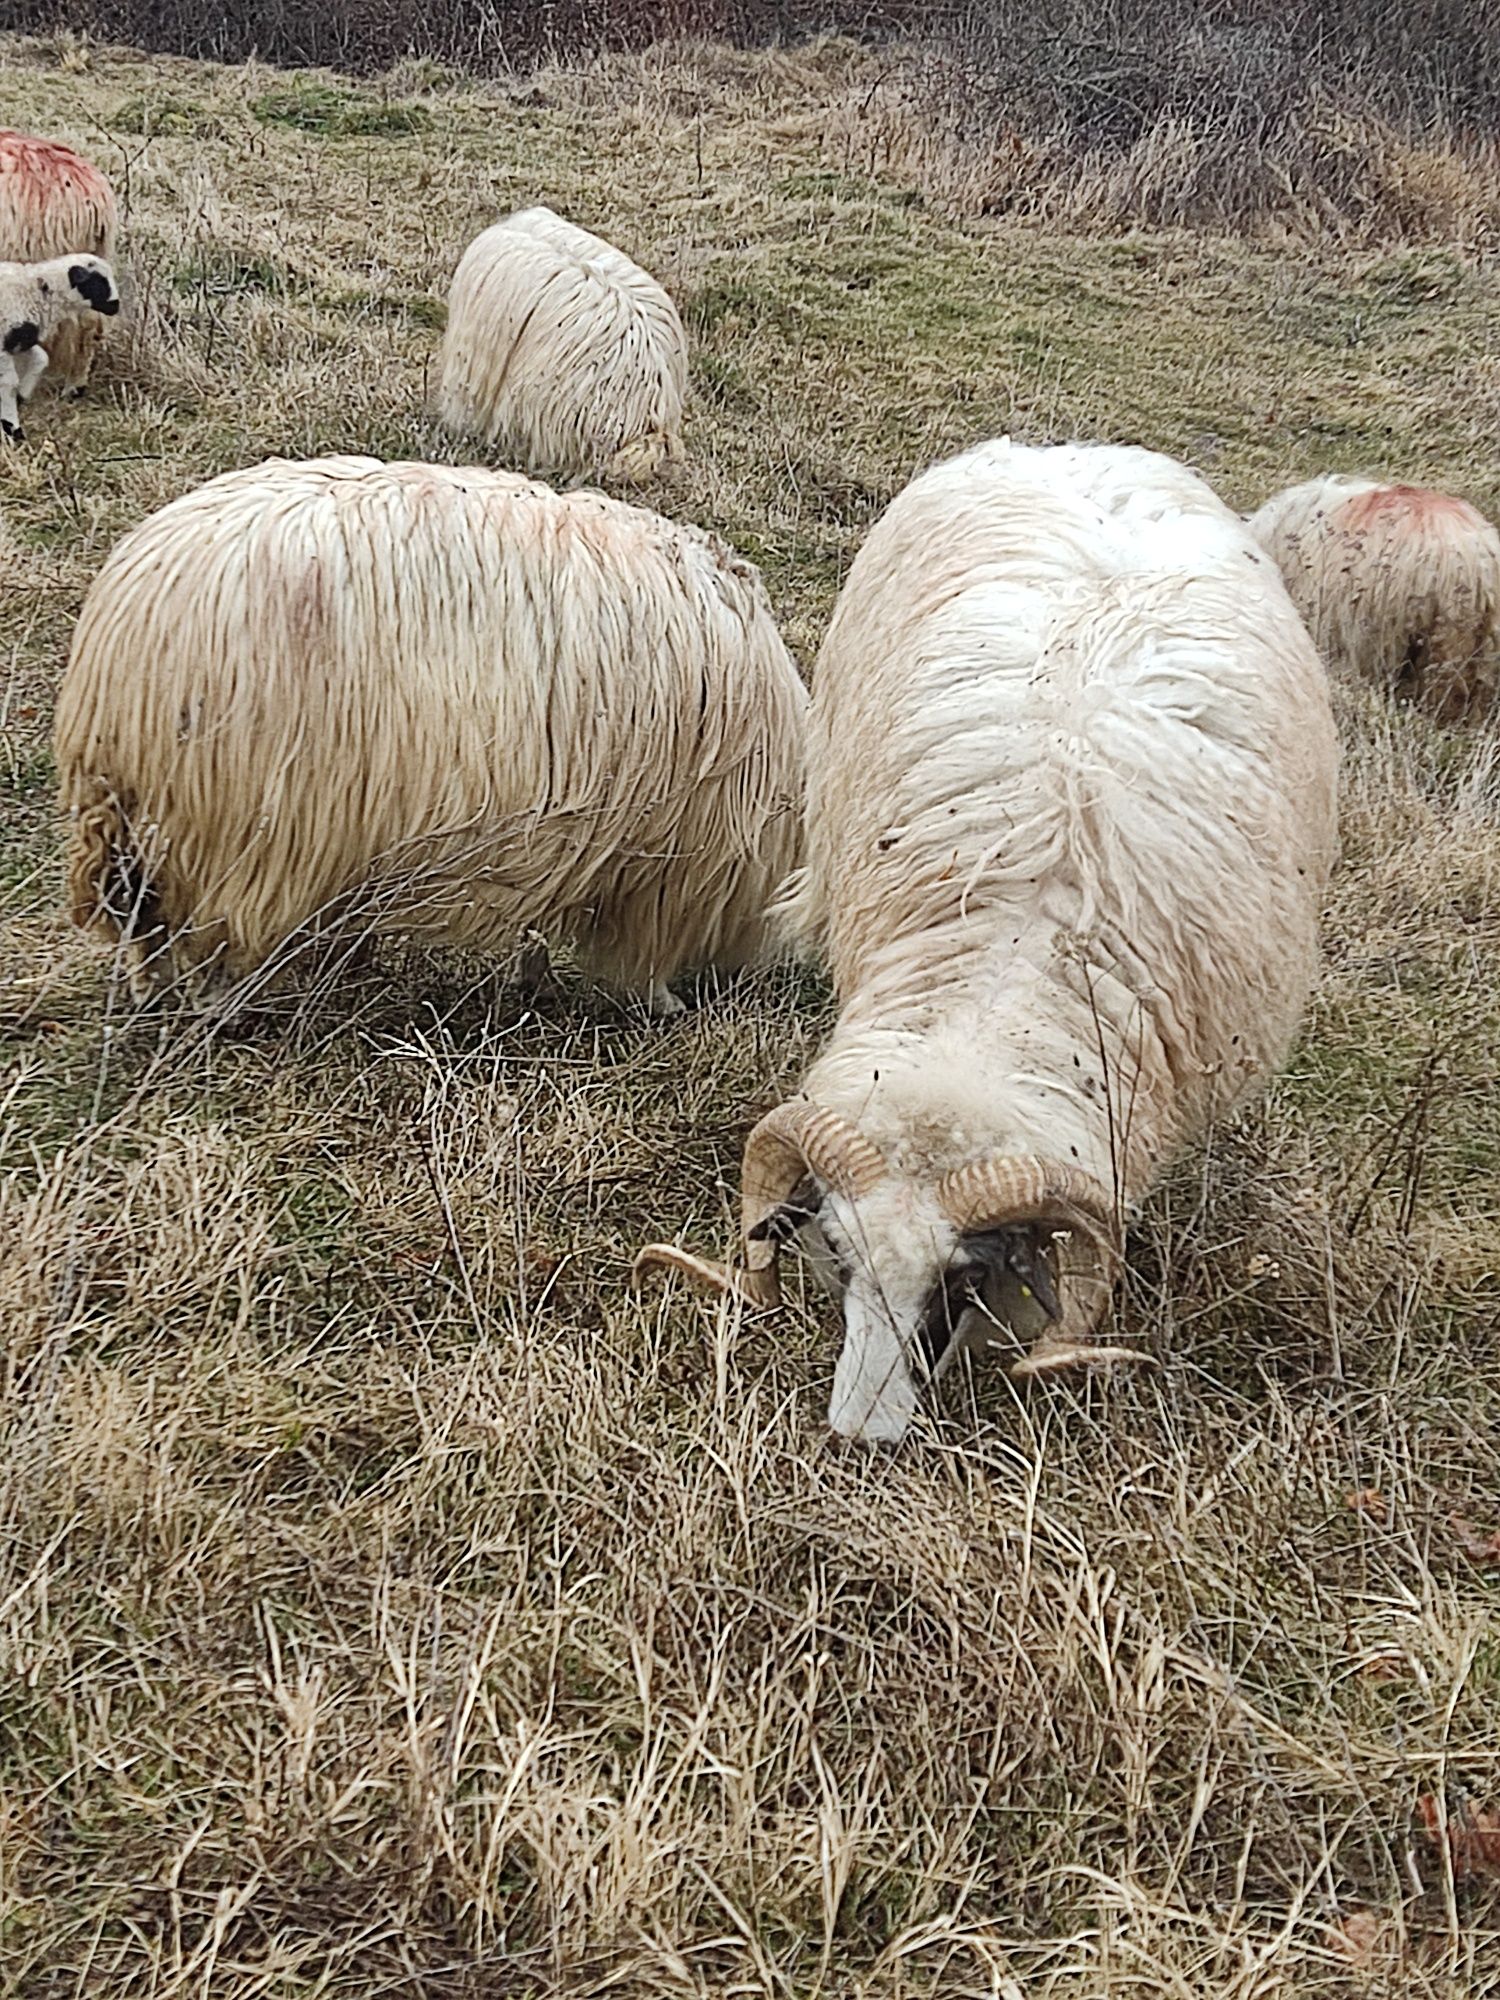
(1071, 813)
(425, 699)
(1399, 585)
(561, 352)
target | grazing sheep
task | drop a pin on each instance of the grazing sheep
(448, 702)
(39, 305)
(53, 203)
(565, 355)
(1071, 811)
(1399, 585)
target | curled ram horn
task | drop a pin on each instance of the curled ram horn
(788, 1142)
(758, 1289)
(1007, 1190)
(1054, 1354)
(1010, 1191)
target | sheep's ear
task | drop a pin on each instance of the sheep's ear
(93, 286)
(1021, 1254)
(22, 337)
(782, 1223)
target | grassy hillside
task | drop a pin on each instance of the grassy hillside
(394, 1603)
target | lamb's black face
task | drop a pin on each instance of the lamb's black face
(96, 286)
(22, 337)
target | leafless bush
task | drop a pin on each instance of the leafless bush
(483, 35)
(1091, 74)
(1343, 117)
(1365, 119)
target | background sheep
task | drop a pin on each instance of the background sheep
(451, 699)
(1071, 811)
(565, 355)
(54, 203)
(40, 304)
(1398, 584)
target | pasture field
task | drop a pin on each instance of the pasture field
(392, 1601)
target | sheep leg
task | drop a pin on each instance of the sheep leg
(30, 367)
(662, 1004)
(73, 354)
(536, 982)
(10, 406)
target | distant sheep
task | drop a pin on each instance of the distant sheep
(570, 359)
(1399, 585)
(40, 306)
(54, 203)
(1071, 813)
(445, 702)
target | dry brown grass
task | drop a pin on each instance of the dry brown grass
(391, 1601)
(1331, 171)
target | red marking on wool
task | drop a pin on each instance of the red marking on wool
(47, 165)
(1416, 507)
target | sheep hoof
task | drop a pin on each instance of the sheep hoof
(662, 1004)
(536, 983)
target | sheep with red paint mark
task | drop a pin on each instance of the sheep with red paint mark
(55, 203)
(1399, 586)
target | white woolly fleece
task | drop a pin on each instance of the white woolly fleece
(1400, 586)
(466, 702)
(1071, 815)
(561, 352)
(54, 203)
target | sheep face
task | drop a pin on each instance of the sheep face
(915, 1291)
(94, 282)
(1014, 1241)
(891, 1248)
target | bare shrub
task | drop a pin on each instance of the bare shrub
(484, 35)
(1362, 118)
(1337, 119)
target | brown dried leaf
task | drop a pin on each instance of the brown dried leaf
(1471, 1837)
(1358, 1938)
(1384, 1667)
(1368, 1500)
(1478, 1546)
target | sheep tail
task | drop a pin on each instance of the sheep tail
(109, 883)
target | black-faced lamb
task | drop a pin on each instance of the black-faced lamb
(38, 304)
(54, 203)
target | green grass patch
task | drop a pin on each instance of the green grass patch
(333, 113)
